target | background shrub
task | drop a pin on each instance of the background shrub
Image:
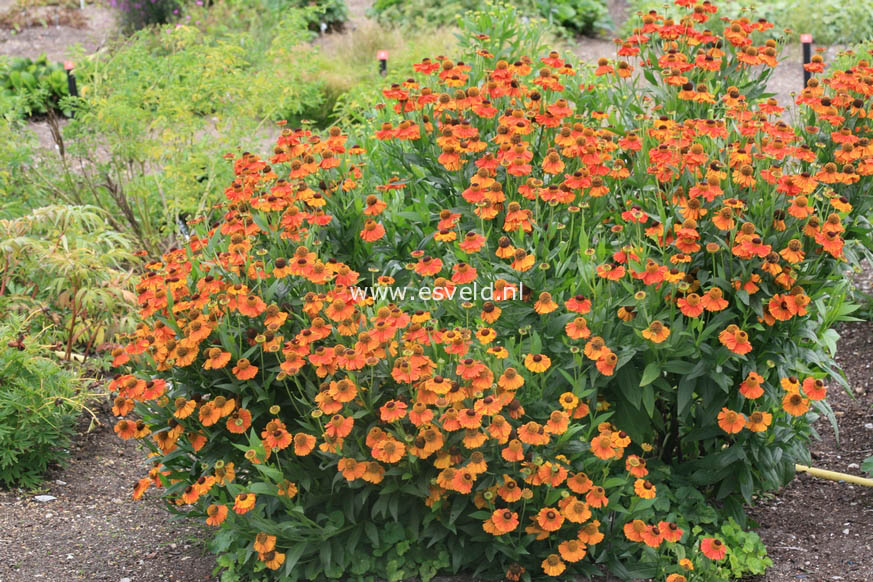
(576, 16)
(138, 14)
(39, 405)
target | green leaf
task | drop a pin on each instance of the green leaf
(652, 371)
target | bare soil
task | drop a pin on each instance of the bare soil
(93, 530)
(56, 31)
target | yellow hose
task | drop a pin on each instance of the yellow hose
(834, 476)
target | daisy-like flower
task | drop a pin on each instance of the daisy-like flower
(731, 421)
(795, 404)
(713, 548)
(572, 550)
(216, 515)
(244, 370)
(759, 421)
(272, 559)
(751, 387)
(657, 332)
(553, 565)
(644, 489)
(504, 521)
(244, 502)
(537, 363)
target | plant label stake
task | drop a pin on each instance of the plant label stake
(71, 79)
(806, 41)
(382, 56)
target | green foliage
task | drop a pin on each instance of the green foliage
(17, 193)
(867, 466)
(158, 111)
(31, 87)
(578, 16)
(39, 404)
(322, 15)
(138, 14)
(748, 556)
(829, 21)
(65, 265)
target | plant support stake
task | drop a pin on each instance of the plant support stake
(71, 79)
(382, 57)
(833, 475)
(806, 41)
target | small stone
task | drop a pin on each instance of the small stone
(45, 498)
(846, 532)
(854, 466)
(868, 426)
(59, 482)
(124, 580)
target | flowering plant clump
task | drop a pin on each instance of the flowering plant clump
(663, 256)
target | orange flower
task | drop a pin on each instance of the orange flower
(759, 421)
(125, 429)
(389, 450)
(572, 550)
(553, 566)
(713, 548)
(597, 498)
(339, 426)
(392, 411)
(751, 387)
(504, 521)
(217, 514)
(272, 559)
(244, 370)
(634, 530)
(372, 231)
(670, 531)
(264, 542)
(713, 300)
(216, 359)
(303, 444)
(815, 389)
(730, 421)
(510, 379)
(590, 533)
(735, 339)
(690, 305)
(513, 452)
(209, 414)
(537, 363)
(577, 329)
(545, 303)
(795, 404)
(251, 306)
(244, 502)
(601, 446)
(239, 421)
(657, 332)
(644, 489)
(278, 439)
(574, 510)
